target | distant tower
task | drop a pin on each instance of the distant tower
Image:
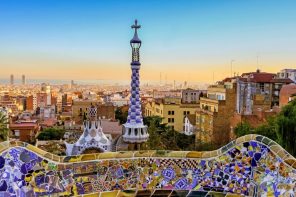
(48, 95)
(72, 84)
(134, 131)
(43, 87)
(11, 80)
(174, 84)
(23, 80)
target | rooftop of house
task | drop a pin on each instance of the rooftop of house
(192, 118)
(288, 89)
(259, 77)
(48, 122)
(23, 125)
(282, 80)
(111, 127)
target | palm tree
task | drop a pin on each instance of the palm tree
(3, 126)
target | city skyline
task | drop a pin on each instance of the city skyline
(188, 41)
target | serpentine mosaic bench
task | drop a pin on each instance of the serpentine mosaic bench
(251, 165)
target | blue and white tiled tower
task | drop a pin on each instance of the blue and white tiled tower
(134, 131)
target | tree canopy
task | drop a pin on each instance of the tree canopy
(281, 128)
(3, 126)
(51, 134)
(162, 137)
(121, 115)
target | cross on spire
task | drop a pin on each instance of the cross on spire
(136, 26)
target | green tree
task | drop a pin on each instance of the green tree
(121, 116)
(162, 137)
(280, 128)
(154, 141)
(243, 129)
(3, 127)
(268, 129)
(51, 134)
(286, 127)
(185, 142)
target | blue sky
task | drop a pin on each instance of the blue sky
(185, 40)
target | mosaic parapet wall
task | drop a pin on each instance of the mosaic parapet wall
(250, 165)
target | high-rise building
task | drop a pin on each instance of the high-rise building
(135, 132)
(48, 94)
(64, 100)
(11, 79)
(72, 84)
(23, 80)
(43, 87)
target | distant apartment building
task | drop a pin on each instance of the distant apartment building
(213, 116)
(21, 102)
(64, 99)
(47, 112)
(258, 90)
(31, 103)
(80, 109)
(287, 94)
(287, 73)
(277, 85)
(191, 96)
(24, 130)
(10, 103)
(257, 97)
(172, 110)
(167, 94)
(40, 100)
(117, 99)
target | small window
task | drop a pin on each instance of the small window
(173, 119)
(17, 133)
(169, 112)
(129, 131)
(173, 112)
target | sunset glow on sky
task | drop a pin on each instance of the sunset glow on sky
(184, 40)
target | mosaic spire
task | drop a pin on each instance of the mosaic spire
(134, 129)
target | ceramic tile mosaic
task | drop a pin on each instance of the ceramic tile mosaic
(249, 168)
